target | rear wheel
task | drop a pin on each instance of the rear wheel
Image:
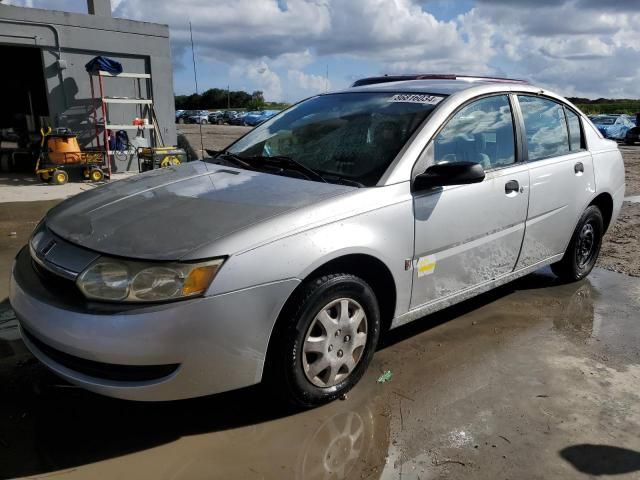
(45, 177)
(328, 340)
(583, 250)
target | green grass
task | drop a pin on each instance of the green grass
(630, 107)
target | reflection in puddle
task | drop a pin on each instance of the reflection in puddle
(576, 317)
(337, 446)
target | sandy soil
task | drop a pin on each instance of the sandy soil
(620, 249)
(214, 137)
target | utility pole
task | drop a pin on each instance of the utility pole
(228, 97)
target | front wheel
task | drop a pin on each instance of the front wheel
(328, 340)
(583, 250)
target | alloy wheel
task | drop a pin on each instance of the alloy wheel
(334, 342)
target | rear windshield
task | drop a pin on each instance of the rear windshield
(343, 136)
(604, 120)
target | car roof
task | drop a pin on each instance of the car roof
(439, 86)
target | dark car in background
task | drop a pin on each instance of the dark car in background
(632, 136)
(216, 118)
(182, 116)
(238, 119)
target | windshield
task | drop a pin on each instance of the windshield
(344, 136)
(604, 120)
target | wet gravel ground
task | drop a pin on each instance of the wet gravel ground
(621, 246)
(535, 380)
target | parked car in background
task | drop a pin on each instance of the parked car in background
(228, 115)
(285, 257)
(216, 118)
(202, 117)
(614, 127)
(256, 118)
(182, 116)
(632, 136)
(238, 119)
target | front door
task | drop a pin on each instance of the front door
(466, 235)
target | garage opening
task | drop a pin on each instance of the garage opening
(23, 104)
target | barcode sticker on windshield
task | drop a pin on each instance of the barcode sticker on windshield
(416, 98)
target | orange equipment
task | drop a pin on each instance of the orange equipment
(59, 152)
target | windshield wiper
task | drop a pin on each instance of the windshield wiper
(256, 161)
(287, 162)
(231, 158)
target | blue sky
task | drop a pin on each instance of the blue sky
(284, 47)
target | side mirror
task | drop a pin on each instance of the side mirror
(442, 174)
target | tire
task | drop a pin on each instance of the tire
(342, 345)
(45, 177)
(583, 250)
(96, 175)
(181, 121)
(59, 177)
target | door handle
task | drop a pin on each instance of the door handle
(512, 186)
(578, 168)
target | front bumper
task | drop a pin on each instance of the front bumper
(204, 346)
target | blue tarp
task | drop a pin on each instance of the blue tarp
(104, 63)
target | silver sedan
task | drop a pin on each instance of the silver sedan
(285, 257)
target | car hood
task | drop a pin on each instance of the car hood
(165, 214)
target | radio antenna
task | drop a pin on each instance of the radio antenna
(195, 80)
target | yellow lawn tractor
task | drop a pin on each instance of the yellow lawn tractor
(60, 152)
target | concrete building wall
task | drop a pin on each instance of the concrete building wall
(68, 41)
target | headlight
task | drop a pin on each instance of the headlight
(130, 281)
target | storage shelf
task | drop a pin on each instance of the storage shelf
(127, 127)
(142, 101)
(102, 73)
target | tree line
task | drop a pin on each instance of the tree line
(218, 98)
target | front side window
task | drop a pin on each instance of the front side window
(575, 133)
(347, 138)
(481, 132)
(545, 127)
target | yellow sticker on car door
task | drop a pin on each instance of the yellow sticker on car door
(426, 265)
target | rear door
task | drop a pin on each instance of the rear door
(466, 235)
(561, 172)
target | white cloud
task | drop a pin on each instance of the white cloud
(262, 76)
(311, 84)
(581, 47)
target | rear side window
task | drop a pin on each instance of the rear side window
(481, 132)
(575, 133)
(545, 127)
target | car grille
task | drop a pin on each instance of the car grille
(99, 370)
(58, 285)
